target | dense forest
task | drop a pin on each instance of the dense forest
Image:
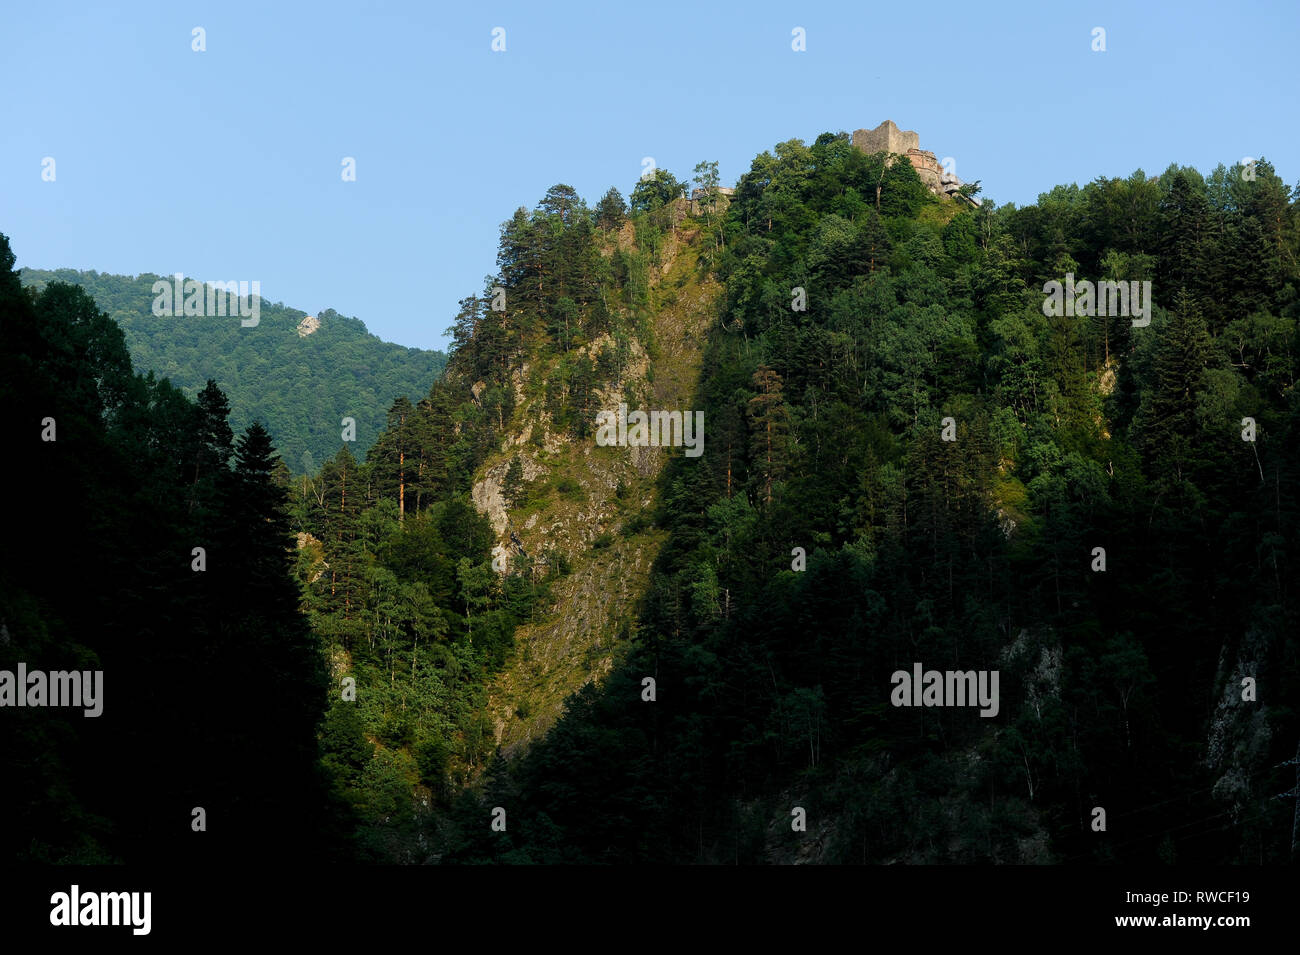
(1122, 688)
(908, 460)
(155, 552)
(299, 386)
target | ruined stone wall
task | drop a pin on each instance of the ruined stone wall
(886, 138)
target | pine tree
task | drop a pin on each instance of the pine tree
(1181, 357)
(513, 485)
(216, 441)
(611, 211)
(262, 636)
(769, 422)
(391, 451)
(1187, 241)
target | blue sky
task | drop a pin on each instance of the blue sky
(225, 164)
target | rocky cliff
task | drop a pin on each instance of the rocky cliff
(591, 503)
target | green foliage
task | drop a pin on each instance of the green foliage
(826, 439)
(209, 669)
(1072, 433)
(299, 387)
(513, 484)
(655, 191)
(400, 584)
(611, 210)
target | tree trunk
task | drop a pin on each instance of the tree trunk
(728, 471)
(769, 458)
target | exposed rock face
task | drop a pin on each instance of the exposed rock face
(1239, 735)
(315, 555)
(927, 167)
(308, 325)
(721, 197)
(588, 503)
(488, 499)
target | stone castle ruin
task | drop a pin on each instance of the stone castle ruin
(888, 138)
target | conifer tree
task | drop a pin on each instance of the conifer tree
(769, 422)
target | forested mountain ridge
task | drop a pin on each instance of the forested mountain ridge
(833, 532)
(299, 374)
(1108, 531)
(163, 569)
(589, 309)
(911, 458)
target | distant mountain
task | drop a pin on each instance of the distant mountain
(299, 374)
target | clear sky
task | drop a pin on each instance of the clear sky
(226, 164)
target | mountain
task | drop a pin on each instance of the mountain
(299, 374)
(833, 518)
(971, 568)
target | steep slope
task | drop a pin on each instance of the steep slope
(915, 476)
(910, 465)
(590, 504)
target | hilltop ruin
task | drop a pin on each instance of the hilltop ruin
(888, 138)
